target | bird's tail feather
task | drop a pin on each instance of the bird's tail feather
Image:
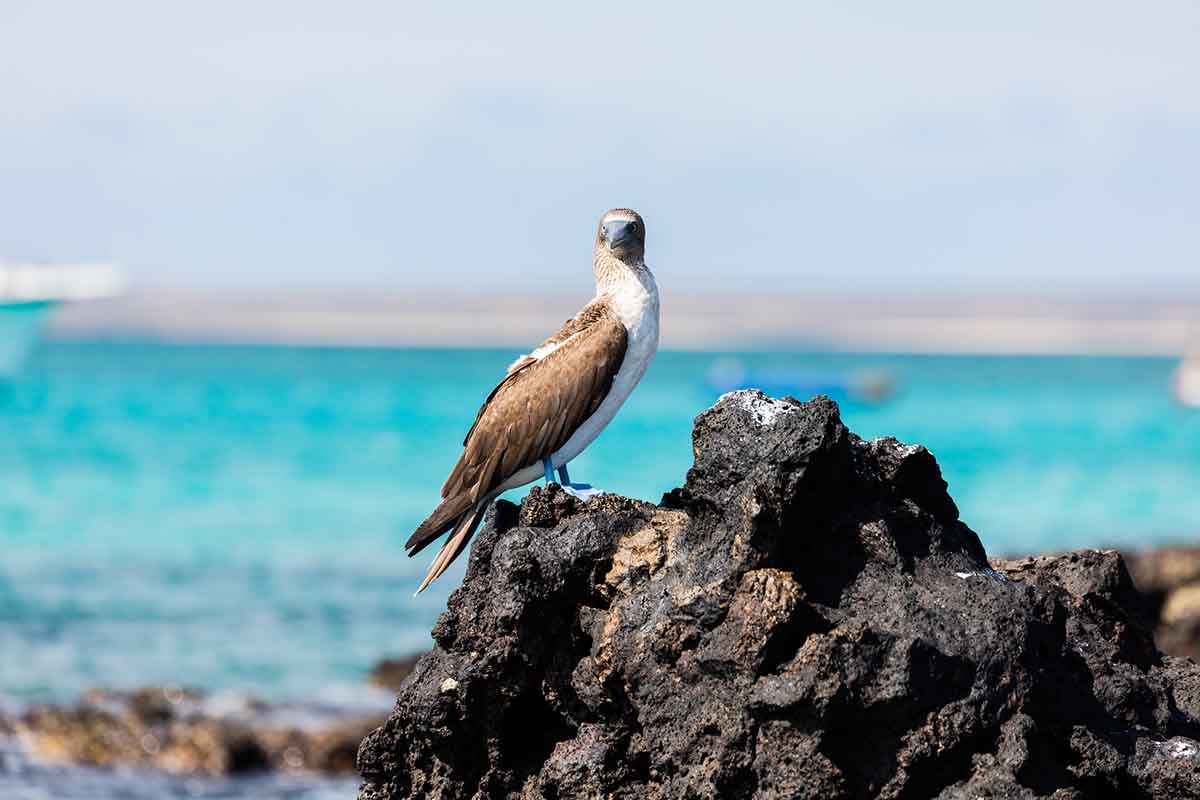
(443, 518)
(463, 530)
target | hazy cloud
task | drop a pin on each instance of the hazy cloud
(944, 145)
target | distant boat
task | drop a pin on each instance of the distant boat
(29, 292)
(1187, 381)
(864, 386)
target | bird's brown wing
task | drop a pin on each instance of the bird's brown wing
(588, 316)
(530, 415)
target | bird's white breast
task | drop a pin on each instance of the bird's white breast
(635, 302)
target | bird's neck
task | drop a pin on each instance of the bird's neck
(617, 276)
(630, 291)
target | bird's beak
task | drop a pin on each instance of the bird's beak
(619, 233)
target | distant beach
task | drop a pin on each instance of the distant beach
(1057, 323)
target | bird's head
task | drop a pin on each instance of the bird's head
(622, 233)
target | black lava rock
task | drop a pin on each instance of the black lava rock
(806, 617)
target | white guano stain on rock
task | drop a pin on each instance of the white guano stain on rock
(986, 572)
(1179, 747)
(902, 449)
(448, 685)
(765, 409)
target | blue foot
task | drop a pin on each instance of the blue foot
(582, 491)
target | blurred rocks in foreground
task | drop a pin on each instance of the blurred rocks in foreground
(185, 732)
(1169, 578)
(391, 672)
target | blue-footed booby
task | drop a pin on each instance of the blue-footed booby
(554, 401)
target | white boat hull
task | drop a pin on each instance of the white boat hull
(20, 324)
(1187, 383)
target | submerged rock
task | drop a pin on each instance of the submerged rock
(806, 617)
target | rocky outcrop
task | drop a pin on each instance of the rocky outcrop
(806, 617)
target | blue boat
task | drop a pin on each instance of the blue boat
(866, 387)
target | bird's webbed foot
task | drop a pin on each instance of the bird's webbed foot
(581, 491)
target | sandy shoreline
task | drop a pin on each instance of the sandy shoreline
(913, 324)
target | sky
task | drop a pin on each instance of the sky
(935, 146)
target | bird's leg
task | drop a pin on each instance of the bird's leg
(549, 468)
(580, 491)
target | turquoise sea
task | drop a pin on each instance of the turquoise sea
(233, 517)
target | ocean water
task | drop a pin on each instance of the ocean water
(233, 517)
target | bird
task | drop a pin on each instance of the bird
(555, 400)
